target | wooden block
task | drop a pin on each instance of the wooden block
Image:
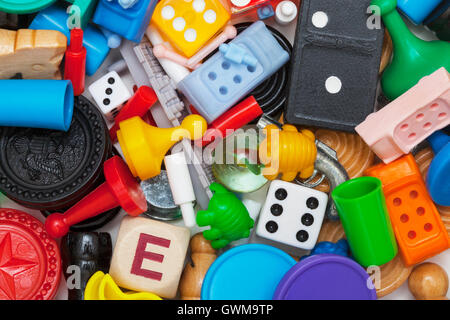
(149, 256)
(36, 54)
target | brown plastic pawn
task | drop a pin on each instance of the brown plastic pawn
(202, 256)
(428, 281)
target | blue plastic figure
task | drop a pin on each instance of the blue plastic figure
(114, 40)
(55, 18)
(265, 12)
(438, 173)
(219, 83)
(131, 22)
(340, 248)
(126, 3)
(417, 10)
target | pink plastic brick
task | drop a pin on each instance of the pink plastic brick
(411, 118)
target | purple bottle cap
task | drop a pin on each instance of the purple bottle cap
(326, 277)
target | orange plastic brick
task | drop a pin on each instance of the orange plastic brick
(418, 227)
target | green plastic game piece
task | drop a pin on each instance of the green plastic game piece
(227, 216)
(362, 209)
(87, 8)
(24, 6)
(413, 58)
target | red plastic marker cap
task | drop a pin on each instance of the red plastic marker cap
(75, 62)
(30, 263)
(124, 186)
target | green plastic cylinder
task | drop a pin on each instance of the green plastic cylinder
(362, 209)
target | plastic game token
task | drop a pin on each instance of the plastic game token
(326, 277)
(50, 170)
(30, 263)
(24, 6)
(246, 272)
(120, 189)
(124, 186)
(90, 224)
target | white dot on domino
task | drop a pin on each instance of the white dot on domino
(190, 35)
(179, 24)
(319, 19)
(199, 5)
(209, 16)
(333, 85)
(168, 12)
(240, 3)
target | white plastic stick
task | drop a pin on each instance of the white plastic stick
(181, 186)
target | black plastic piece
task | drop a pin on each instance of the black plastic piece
(91, 252)
(346, 49)
(51, 170)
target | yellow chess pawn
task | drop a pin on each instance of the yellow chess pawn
(288, 152)
(145, 146)
(102, 287)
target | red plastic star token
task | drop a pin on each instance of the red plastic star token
(30, 263)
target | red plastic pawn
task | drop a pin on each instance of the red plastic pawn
(143, 99)
(235, 118)
(120, 189)
(75, 63)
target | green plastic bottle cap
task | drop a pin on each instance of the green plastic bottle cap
(24, 6)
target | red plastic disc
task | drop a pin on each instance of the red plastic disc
(125, 187)
(30, 262)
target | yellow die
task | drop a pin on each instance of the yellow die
(189, 24)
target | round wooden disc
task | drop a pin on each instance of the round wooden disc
(392, 274)
(386, 51)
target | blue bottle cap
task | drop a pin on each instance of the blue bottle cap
(247, 272)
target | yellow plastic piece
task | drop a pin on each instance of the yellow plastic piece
(102, 287)
(189, 24)
(288, 152)
(145, 146)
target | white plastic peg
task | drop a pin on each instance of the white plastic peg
(285, 12)
(181, 186)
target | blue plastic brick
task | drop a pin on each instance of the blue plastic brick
(438, 172)
(417, 10)
(265, 12)
(130, 23)
(55, 18)
(218, 84)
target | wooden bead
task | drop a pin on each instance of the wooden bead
(428, 281)
(202, 256)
